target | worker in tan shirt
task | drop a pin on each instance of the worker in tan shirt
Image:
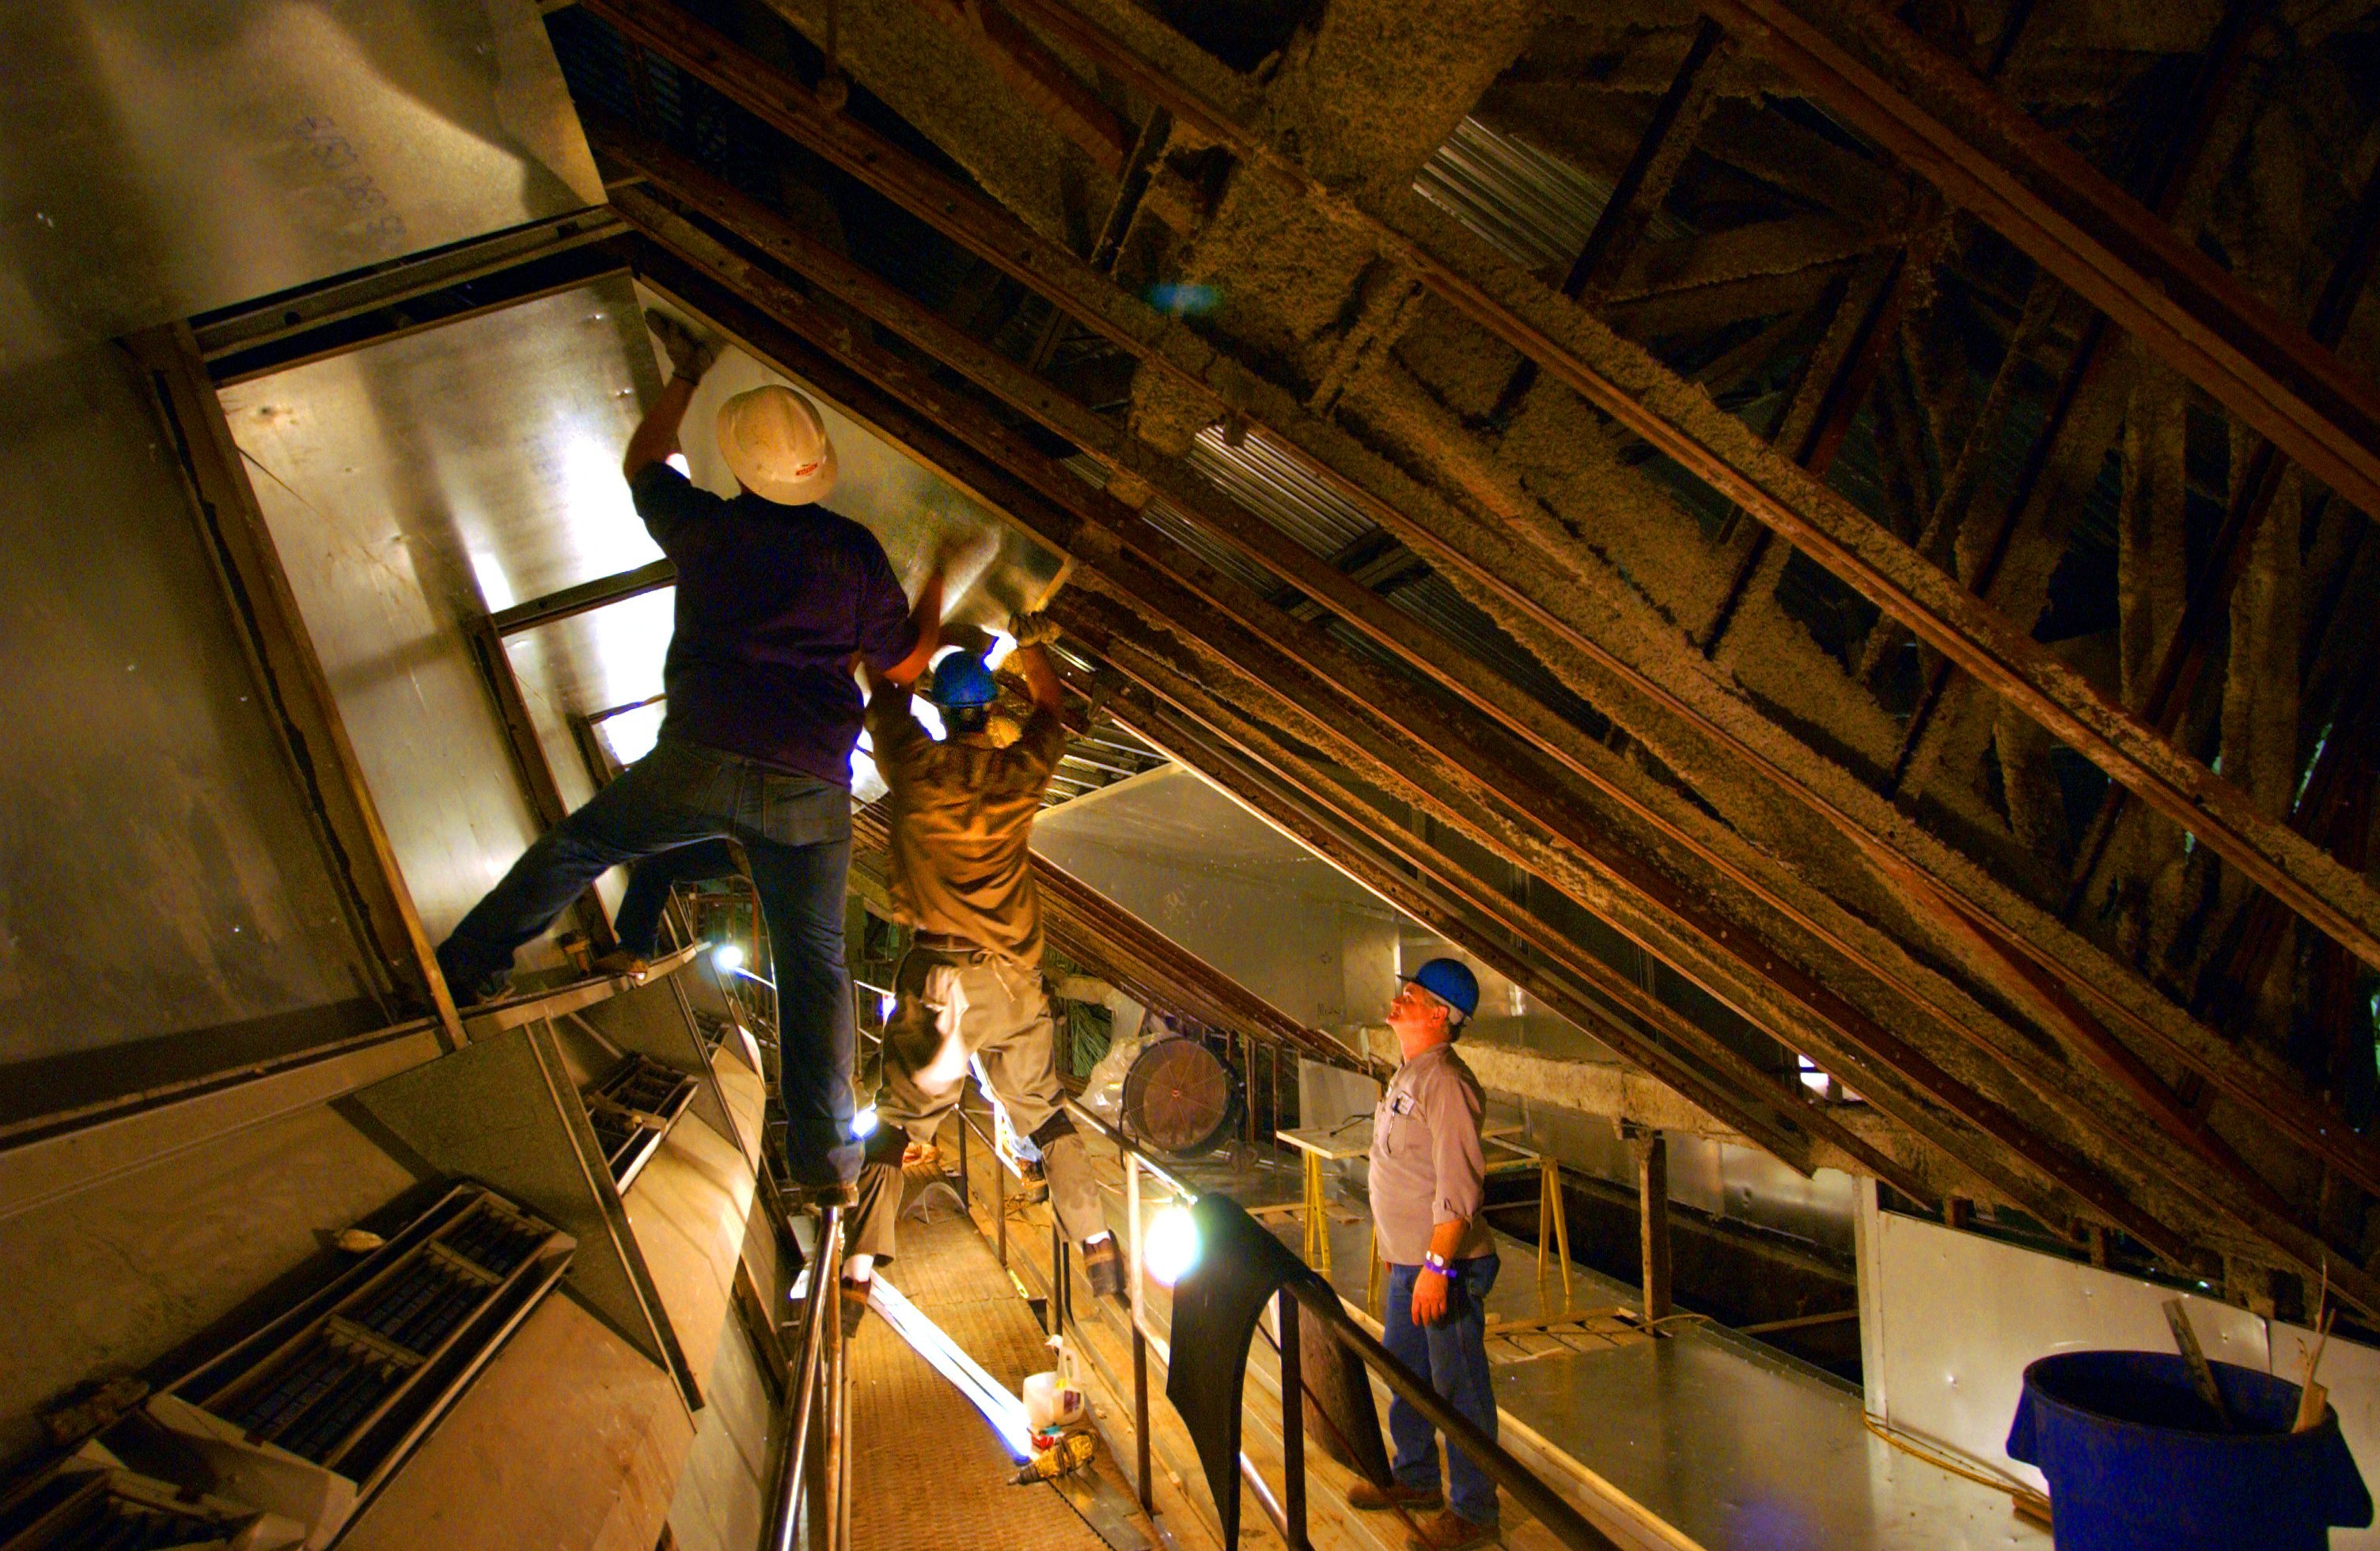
(1428, 1180)
(970, 987)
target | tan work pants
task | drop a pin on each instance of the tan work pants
(954, 1005)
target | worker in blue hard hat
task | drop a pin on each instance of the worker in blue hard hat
(969, 988)
(1428, 1179)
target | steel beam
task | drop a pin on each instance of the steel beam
(1838, 1024)
(1419, 878)
(1402, 634)
(295, 689)
(904, 403)
(1096, 301)
(1654, 403)
(1988, 157)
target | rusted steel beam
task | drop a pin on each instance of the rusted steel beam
(295, 690)
(1651, 402)
(2233, 1195)
(1400, 634)
(1637, 197)
(1988, 157)
(949, 434)
(1824, 403)
(1377, 852)
(2187, 649)
(2162, 187)
(2331, 804)
(1635, 390)
(1133, 651)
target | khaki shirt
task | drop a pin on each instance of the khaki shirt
(962, 818)
(1427, 1163)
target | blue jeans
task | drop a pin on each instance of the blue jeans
(638, 923)
(795, 831)
(1452, 1355)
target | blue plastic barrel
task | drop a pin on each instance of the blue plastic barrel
(2137, 1462)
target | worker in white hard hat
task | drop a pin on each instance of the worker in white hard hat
(776, 596)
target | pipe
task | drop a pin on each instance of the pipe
(787, 1502)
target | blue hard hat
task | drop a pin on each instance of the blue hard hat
(961, 681)
(1451, 981)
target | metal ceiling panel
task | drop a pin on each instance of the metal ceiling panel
(412, 485)
(160, 158)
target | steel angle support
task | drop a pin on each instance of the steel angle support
(296, 691)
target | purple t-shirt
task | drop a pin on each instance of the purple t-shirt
(771, 603)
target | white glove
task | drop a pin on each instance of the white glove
(1035, 629)
(689, 357)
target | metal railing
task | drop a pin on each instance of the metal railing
(1316, 1300)
(813, 1485)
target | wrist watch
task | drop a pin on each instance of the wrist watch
(1433, 1261)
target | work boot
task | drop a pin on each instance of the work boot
(854, 1305)
(622, 962)
(1368, 1499)
(1449, 1531)
(1104, 1268)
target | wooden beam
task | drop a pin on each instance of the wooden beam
(296, 691)
(1990, 158)
(1652, 1150)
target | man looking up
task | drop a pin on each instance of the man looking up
(775, 596)
(970, 986)
(1428, 1179)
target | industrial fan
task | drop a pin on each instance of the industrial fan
(1179, 1097)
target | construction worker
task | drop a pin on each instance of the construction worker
(775, 597)
(1428, 1179)
(969, 988)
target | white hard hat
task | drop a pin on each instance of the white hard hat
(775, 442)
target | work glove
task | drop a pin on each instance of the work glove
(1035, 629)
(689, 357)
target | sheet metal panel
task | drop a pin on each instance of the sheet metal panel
(163, 157)
(1957, 1317)
(415, 484)
(158, 871)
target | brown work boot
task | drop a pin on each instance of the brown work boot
(854, 1305)
(1103, 1267)
(624, 963)
(1379, 1499)
(1449, 1531)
